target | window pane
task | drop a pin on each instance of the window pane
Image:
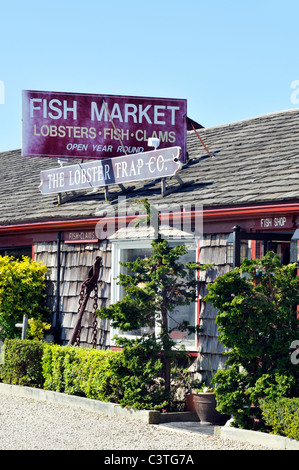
(181, 313)
(130, 255)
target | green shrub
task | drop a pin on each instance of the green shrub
(81, 372)
(103, 375)
(37, 328)
(155, 287)
(23, 363)
(138, 373)
(257, 323)
(22, 291)
(129, 377)
(53, 368)
(282, 416)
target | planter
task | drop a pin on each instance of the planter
(189, 402)
(205, 407)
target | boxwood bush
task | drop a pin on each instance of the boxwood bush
(115, 376)
(22, 363)
(102, 375)
(81, 372)
(282, 416)
(75, 371)
(128, 377)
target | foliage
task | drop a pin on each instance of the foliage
(257, 323)
(282, 416)
(155, 287)
(36, 328)
(81, 372)
(138, 373)
(22, 363)
(123, 377)
(22, 286)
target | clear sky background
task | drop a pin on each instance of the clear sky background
(230, 59)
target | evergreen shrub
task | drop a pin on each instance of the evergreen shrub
(282, 416)
(257, 323)
(22, 363)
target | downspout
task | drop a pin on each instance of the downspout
(236, 248)
(57, 312)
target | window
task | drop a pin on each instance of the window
(130, 251)
(17, 252)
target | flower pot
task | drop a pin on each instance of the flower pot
(189, 402)
(205, 407)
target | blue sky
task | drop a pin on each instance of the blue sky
(230, 59)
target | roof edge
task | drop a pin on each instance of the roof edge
(208, 213)
(267, 115)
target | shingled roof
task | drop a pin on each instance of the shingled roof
(255, 161)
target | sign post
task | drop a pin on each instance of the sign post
(23, 326)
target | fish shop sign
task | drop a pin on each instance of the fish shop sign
(56, 124)
(138, 167)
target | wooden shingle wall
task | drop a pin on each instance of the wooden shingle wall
(210, 357)
(76, 260)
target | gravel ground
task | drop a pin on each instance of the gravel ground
(27, 424)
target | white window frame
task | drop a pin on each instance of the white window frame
(117, 246)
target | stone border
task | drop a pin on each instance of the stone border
(147, 416)
(254, 437)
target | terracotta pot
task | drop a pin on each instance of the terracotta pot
(205, 407)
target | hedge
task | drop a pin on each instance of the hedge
(95, 373)
(71, 370)
(81, 372)
(92, 373)
(23, 363)
(282, 416)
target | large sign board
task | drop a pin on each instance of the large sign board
(148, 165)
(73, 125)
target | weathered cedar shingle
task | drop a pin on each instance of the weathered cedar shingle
(76, 260)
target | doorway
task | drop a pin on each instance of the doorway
(257, 244)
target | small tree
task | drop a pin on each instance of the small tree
(257, 323)
(155, 287)
(22, 291)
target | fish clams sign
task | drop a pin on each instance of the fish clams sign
(56, 124)
(138, 167)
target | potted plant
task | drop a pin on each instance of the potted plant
(192, 386)
(203, 401)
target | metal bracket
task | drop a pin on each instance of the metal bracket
(168, 190)
(23, 326)
(110, 197)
